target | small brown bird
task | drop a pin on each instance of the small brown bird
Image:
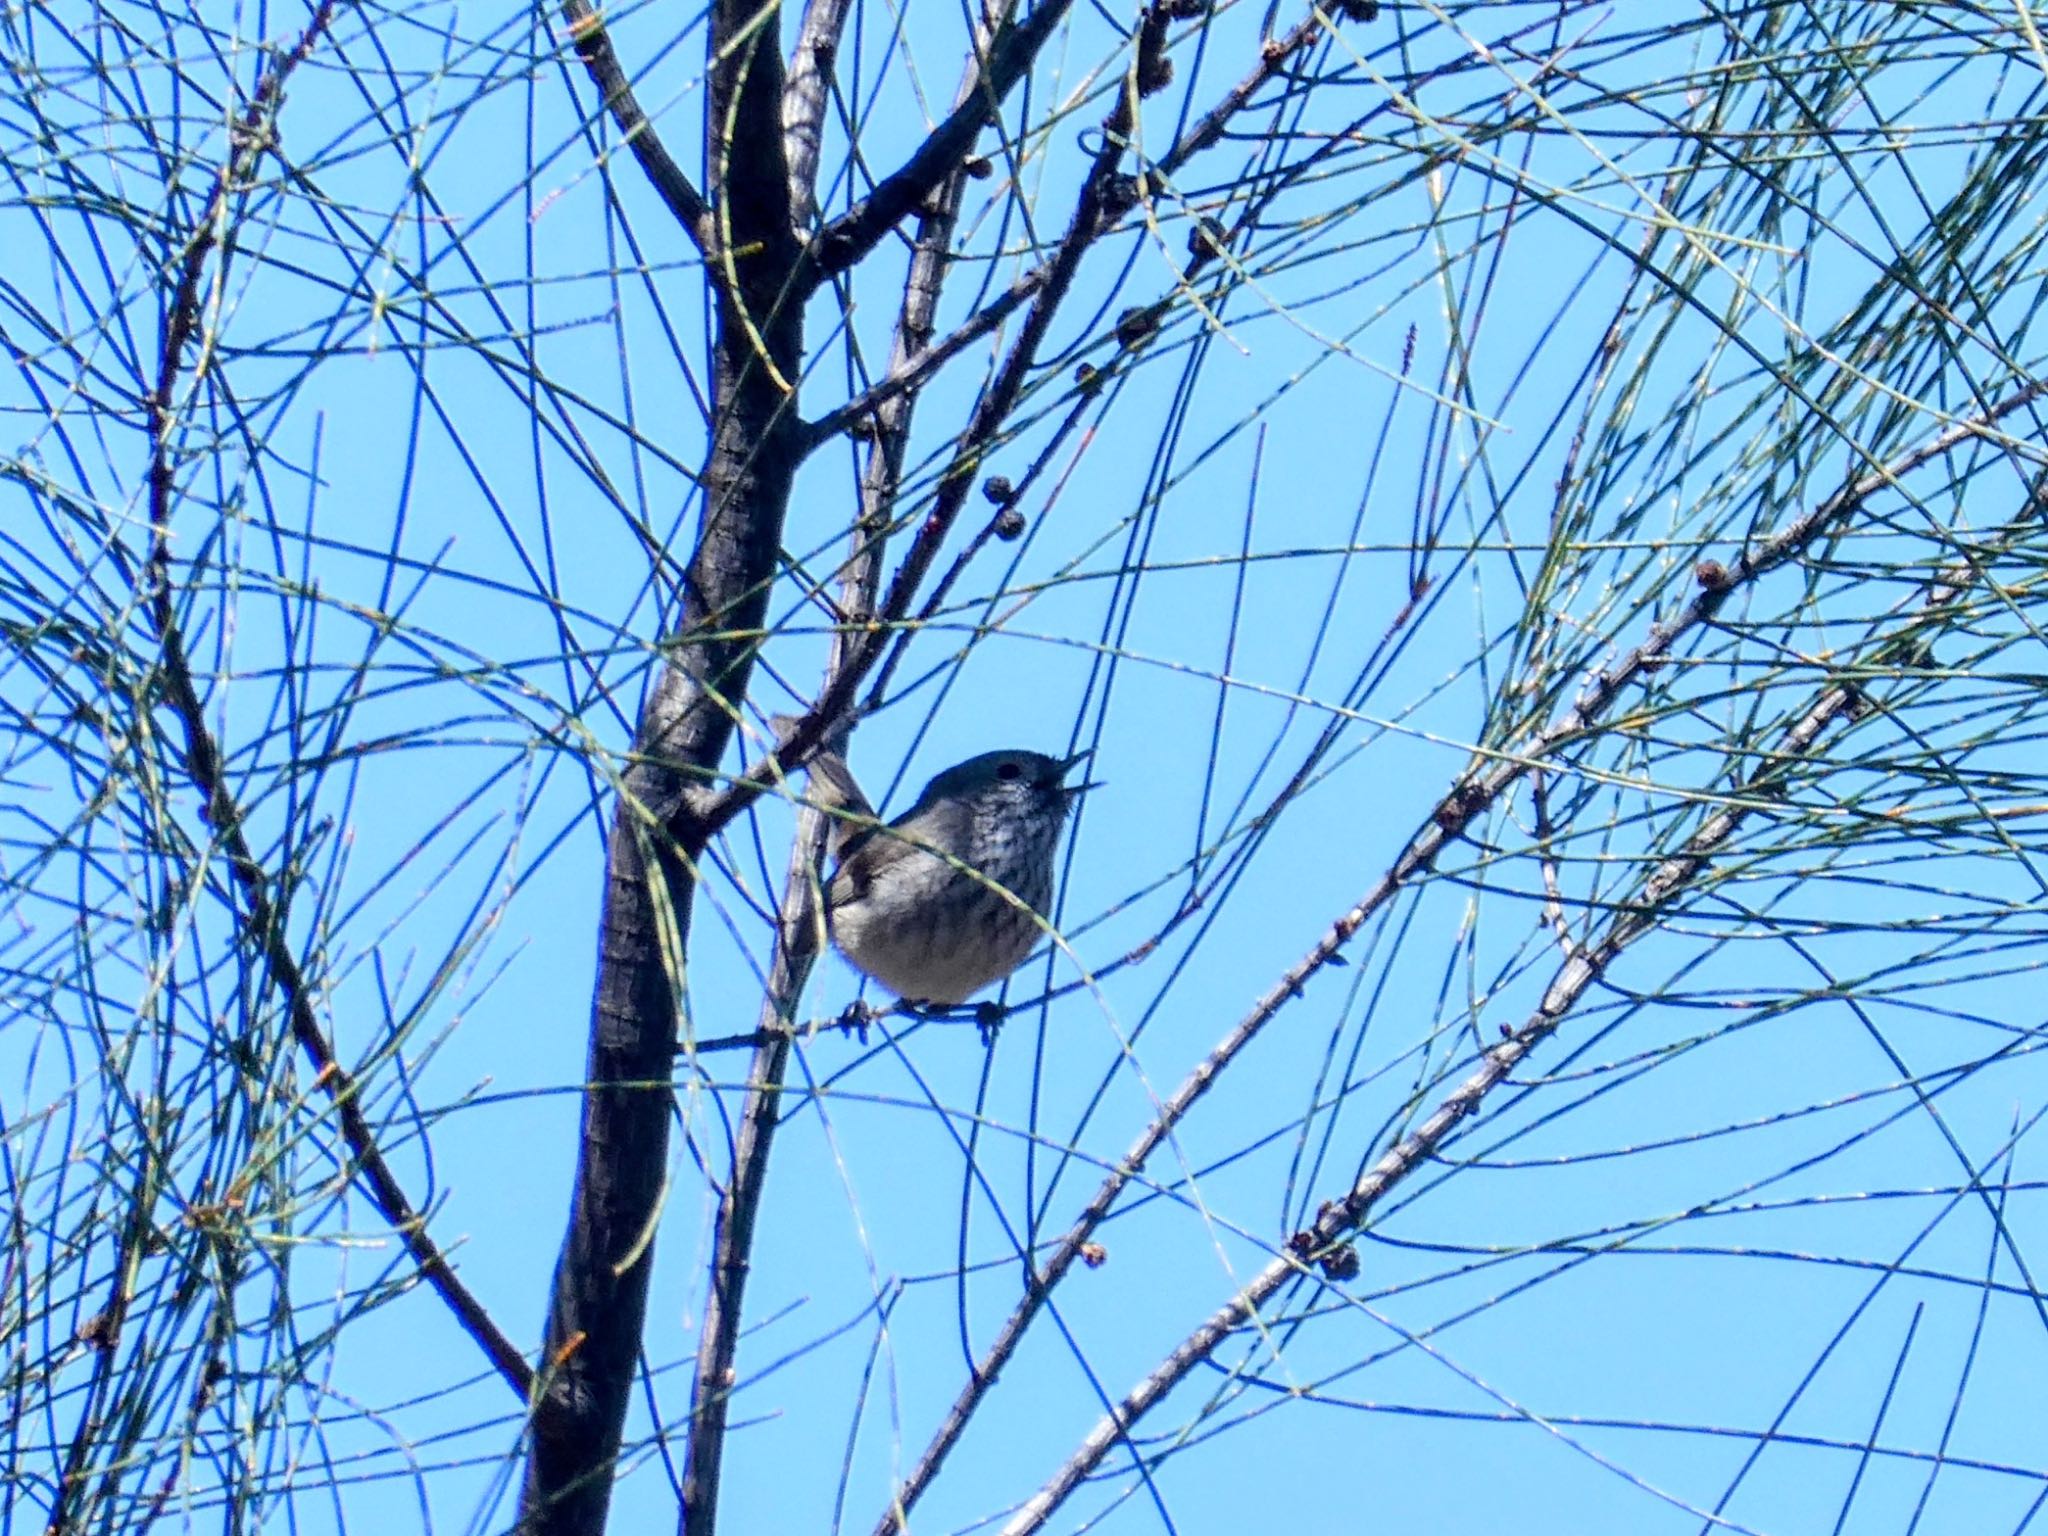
(949, 897)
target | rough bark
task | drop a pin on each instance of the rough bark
(599, 1300)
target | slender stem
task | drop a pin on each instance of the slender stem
(1005, 53)
(598, 1299)
(914, 371)
(593, 45)
(1469, 797)
(1100, 203)
(799, 923)
(260, 921)
(1337, 1219)
(803, 102)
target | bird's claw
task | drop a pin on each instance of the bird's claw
(855, 1020)
(988, 1018)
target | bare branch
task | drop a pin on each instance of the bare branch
(1471, 796)
(1100, 202)
(803, 103)
(1339, 1218)
(597, 1314)
(799, 925)
(1007, 60)
(1203, 134)
(1580, 969)
(914, 371)
(261, 923)
(594, 47)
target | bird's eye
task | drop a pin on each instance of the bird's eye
(1009, 770)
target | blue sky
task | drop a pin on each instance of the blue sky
(1771, 1178)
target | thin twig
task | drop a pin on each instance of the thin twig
(101, 1333)
(800, 923)
(1337, 1219)
(1472, 795)
(1005, 56)
(796, 948)
(804, 95)
(1104, 199)
(1101, 201)
(593, 46)
(1546, 858)
(598, 1299)
(260, 921)
(914, 371)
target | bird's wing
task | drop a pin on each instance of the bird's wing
(863, 856)
(868, 851)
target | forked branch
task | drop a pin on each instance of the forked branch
(798, 919)
(1014, 49)
(598, 1299)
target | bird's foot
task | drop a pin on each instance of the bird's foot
(988, 1018)
(856, 1019)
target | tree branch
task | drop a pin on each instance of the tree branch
(1006, 60)
(796, 949)
(913, 371)
(598, 1308)
(671, 183)
(803, 104)
(1337, 1219)
(798, 926)
(1471, 796)
(1101, 201)
(259, 920)
(1203, 134)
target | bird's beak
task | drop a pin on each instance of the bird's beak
(1070, 765)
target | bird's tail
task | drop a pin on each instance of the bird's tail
(835, 790)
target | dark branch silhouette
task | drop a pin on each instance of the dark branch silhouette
(259, 917)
